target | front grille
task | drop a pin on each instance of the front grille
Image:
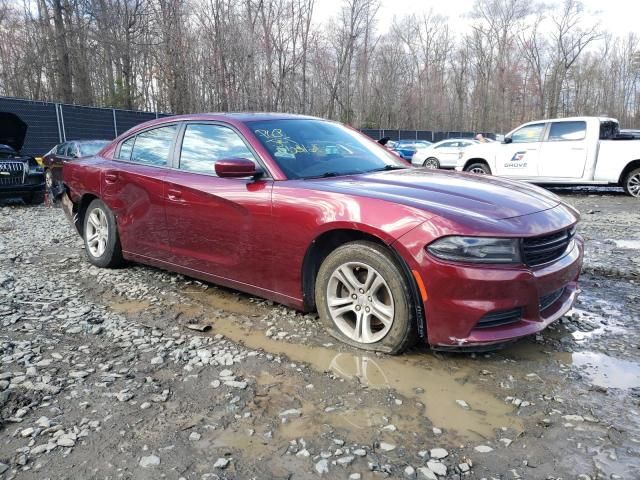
(547, 300)
(541, 250)
(12, 173)
(500, 318)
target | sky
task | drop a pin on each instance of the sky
(616, 16)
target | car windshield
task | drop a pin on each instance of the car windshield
(308, 148)
(91, 148)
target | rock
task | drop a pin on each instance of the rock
(3, 468)
(65, 441)
(157, 360)
(463, 467)
(345, 461)
(438, 453)
(483, 449)
(145, 405)
(222, 463)
(43, 422)
(463, 404)
(322, 466)
(194, 436)
(437, 431)
(387, 447)
(124, 396)
(506, 441)
(410, 472)
(226, 373)
(389, 428)
(293, 412)
(426, 474)
(27, 432)
(303, 453)
(149, 461)
(573, 418)
(353, 476)
(437, 467)
(216, 383)
(360, 452)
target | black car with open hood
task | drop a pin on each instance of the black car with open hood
(20, 175)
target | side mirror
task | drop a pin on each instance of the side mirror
(236, 168)
(507, 140)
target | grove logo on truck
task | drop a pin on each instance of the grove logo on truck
(517, 161)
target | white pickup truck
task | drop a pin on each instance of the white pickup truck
(566, 151)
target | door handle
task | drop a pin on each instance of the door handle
(111, 177)
(174, 195)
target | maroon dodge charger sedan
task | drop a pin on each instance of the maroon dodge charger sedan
(315, 215)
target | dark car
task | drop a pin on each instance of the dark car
(315, 215)
(55, 158)
(20, 175)
(407, 148)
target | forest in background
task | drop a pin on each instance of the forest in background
(516, 61)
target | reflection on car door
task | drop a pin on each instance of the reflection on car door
(132, 187)
(220, 226)
(447, 154)
(564, 153)
(520, 157)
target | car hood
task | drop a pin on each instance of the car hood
(445, 193)
(12, 130)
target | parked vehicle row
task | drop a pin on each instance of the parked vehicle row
(317, 216)
(442, 154)
(564, 151)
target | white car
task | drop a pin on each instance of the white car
(442, 154)
(563, 151)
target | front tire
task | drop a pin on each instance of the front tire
(363, 298)
(101, 240)
(631, 183)
(478, 168)
(431, 163)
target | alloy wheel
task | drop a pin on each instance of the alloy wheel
(97, 232)
(633, 185)
(478, 170)
(360, 302)
(431, 163)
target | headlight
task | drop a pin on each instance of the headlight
(477, 249)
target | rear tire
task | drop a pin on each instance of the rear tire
(478, 168)
(631, 183)
(431, 163)
(101, 239)
(380, 317)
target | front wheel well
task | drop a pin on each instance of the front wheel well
(471, 161)
(327, 242)
(630, 166)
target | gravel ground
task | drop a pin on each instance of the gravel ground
(105, 374)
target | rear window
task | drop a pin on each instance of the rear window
(566, 131)
(88, 149)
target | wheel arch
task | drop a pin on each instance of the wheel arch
(328, 241)
(476, 160)
(632, 165)
(80, 210)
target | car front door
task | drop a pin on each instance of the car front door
(219, 226)
(564, 153)
(447, 154)
(132, 187)
(520, 157)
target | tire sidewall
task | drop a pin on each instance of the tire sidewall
(106, 258)
(631, 174)
(485, 168)
(370, 254)
(435, 161)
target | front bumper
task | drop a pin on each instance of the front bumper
(459, 296)
(34, 184)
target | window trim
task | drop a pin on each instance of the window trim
(547, 137)
(177, 150)
(169, 161)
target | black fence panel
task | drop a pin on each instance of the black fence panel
(87, 123)
(373, 133)
(408, 134)
(42, 131)
(126, 119)
(424, 135)
(392, 134)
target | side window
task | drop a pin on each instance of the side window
(153, 146)
(562, 131)
(528, 134)
(125, 149)
(203, 145)
(444, 145)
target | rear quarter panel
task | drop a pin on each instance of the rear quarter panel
(83, 177)
(613, 157)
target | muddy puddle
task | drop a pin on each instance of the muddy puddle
(437, 383)
(129, 306)
(608, 372)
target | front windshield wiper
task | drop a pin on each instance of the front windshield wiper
(332, 174)
(387, 168)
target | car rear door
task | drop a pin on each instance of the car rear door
(132, 187)
(447, 153)
(564, 153)
(520, 157)
(219, 226)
